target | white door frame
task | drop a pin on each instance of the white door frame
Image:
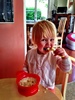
(25, 34)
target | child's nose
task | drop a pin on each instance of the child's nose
(48, 42)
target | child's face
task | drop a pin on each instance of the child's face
(45, 43)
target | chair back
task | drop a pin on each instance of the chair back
(61, 27)
(60, 32)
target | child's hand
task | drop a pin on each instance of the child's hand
(61, 52)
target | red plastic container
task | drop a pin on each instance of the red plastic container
(27, 91)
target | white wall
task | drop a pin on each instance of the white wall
(51, 7)
(60, 3)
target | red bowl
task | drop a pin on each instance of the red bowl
(27, 91)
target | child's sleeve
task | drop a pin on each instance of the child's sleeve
(64, 64)
(25, 66)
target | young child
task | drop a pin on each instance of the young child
(42, 60)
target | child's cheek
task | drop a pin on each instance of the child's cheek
(41, 47)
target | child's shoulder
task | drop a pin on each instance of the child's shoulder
(31, 54)
(32, 51)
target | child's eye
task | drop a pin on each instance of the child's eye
(43, 40)
(51, 40)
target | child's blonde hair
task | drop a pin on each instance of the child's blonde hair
(41, 29)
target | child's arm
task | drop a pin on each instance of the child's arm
(25, 66)
(61, 52)
(64, 64)
(64, 61)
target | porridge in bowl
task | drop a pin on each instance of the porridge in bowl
(27, 82)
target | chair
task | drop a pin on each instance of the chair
(62, 78)
(60, 32)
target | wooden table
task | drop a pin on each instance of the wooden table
(9, 91)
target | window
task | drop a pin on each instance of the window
(36, 10)
(6, 10)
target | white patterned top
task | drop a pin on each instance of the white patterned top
(45, 66)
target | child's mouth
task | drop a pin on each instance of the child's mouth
(47, 49)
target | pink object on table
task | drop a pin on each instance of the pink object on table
(70, 41)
